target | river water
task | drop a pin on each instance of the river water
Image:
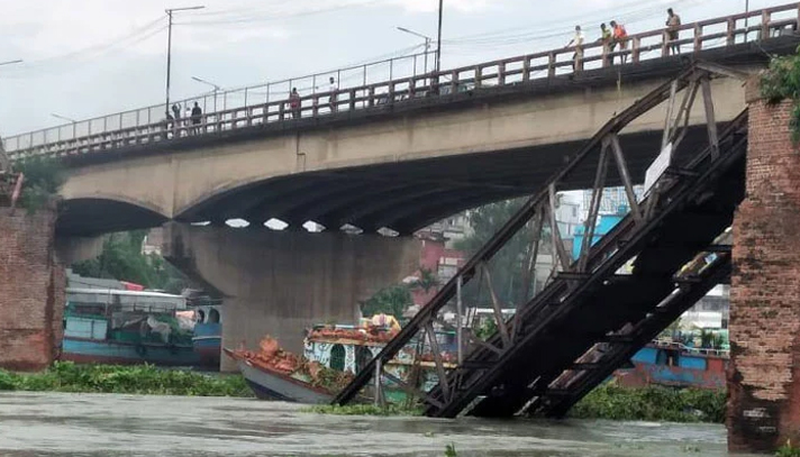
(49, 424)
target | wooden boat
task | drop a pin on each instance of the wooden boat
(269, 383)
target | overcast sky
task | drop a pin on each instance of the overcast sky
(86, 58)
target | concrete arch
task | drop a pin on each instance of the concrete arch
(89, 216)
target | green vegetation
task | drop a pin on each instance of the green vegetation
(787, 450)
(510, 268)
(140, 379)
(782, 82)
(363, 410)
(450, 450)
(390, 300)
(122, 259)
(43, 178)
(651, 404)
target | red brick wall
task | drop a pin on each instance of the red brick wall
(764, 374)
(32, 290)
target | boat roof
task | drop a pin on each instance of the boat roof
(136, 300)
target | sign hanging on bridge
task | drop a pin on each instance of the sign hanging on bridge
(658, 167)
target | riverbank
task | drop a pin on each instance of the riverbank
(138, 379)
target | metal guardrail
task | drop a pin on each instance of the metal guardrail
(253, 106)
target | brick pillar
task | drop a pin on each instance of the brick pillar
(764, 373)
(32, 290)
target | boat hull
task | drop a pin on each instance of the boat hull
(101, 351)
(689, 370)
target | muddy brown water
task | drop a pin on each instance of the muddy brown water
(53, 424)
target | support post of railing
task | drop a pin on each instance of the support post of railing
(698, 38)
(245, 96)
(352, 100)
(765, 23)
(526, 69)
(365, 76)
(371, 101)
(636, 49)
(551, 65)
(730, 35)
(453, 82)
(501, 74)
(478, 76)
(606, 50)
(664, 44)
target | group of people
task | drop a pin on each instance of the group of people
(295, 101)
(617, 36)
(195, 116)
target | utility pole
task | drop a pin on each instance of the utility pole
(427, 39)
(439, 40)
(169, 12)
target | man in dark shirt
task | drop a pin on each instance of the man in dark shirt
(197, 117)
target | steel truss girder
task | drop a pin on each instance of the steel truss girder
(542, 203)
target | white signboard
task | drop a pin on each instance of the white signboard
(657, 168)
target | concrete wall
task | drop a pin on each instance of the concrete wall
(280, 283)
(764, 376)
(32, 290)
(187, 178)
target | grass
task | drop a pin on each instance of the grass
(363, 410)
(139, 379)
(652, 403)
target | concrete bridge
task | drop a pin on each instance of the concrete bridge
(398, 154)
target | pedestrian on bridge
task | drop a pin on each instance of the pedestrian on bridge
(294, 103)
(673, 32)
(606, 39)
(621, 39)
(332, 98)
(197, 118)
(176, 110)
(577, 41)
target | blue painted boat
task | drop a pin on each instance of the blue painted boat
(675, 365)
(207, 337)
(125, 327)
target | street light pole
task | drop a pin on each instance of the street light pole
(216, 89)
(439, 39)
(169, 12)
(427, 39)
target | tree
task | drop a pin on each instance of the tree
(122, 259)
(427, 280)
(509, 267)
(391, 300)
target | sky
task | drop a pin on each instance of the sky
(87, 58)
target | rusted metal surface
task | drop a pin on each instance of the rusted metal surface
(133, 128)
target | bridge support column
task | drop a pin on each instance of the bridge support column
(280, 283)
(764, 376)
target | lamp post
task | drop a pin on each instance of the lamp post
(169, 12)
(215, 86)
(68, 119)
(439, 39)
(427, 43)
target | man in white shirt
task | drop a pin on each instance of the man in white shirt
(332, 99)
(577, 41)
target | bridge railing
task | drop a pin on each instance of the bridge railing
(388, 82)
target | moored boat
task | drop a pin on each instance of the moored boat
(126, 327)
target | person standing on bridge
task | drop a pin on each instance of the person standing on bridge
(577, 41)
(197, 118)
(332, 98)
(606, 39)
(673, 32)
(176, 110)
(621, 39)
(294, 103)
